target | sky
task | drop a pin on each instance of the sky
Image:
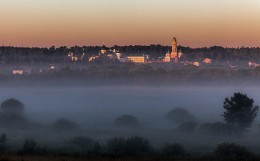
(195, 23)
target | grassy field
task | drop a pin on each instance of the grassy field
(63, 158)
(60, 158)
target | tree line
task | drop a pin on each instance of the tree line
(129, 73)
(16, 55)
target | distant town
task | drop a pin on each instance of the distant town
(20, 61)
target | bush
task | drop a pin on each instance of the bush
(133, 146)
(137, 146)
(173, 150)
(12, 106)
(11, 114)
(3, 140)
(116, 146)
(84, 143)
(126, 121)
(29, 146)
(187, 127)
(218, 128)
(64, 124)
(179, 115)
(232, 152)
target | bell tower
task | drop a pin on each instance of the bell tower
(174, 53)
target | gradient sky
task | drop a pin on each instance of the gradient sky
(195, 23)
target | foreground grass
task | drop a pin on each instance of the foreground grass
(63, 158)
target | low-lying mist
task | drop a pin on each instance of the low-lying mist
(95, 110)
(98, 105)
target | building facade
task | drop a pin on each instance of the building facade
(167, 58)
(174, 56)
(137, 59)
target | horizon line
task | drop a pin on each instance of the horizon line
(109, 46)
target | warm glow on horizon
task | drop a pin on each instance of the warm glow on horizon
(197, 23)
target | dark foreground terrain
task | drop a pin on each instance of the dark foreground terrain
(61, 158)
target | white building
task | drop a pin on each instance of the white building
(253, 64)
(197, 64)
(137, 59)
(207, 61)
(167, 58)
(18, 72)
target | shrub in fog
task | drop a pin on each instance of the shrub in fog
(240, 111)
(116, 146)
(173, 150)
(3, 140)
(126, 121)
(187, 127)
(137, 146)
(12, 106)
(133, 146)
(232, 152)
(179, 115)
(29, 146)
(218, 128)
(11, 115)
(64, 124)
(84, 143)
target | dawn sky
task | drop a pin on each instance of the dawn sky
(195, 23)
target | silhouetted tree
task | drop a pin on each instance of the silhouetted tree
(126, 121)
(29, 146)
(137, 146)
(3, 140)
(116, 146)
(232, 152)
(12, 106)
(133, 146)
(173, 150)
(11, 115)
(84, 143)
(179, 115)
(240, 111)
(64, 124)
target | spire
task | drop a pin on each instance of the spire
(174, 53)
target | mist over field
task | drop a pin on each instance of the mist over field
(94, 110)
(101, 104)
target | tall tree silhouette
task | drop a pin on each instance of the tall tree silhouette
(240, 111)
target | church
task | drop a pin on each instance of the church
(174, 55)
